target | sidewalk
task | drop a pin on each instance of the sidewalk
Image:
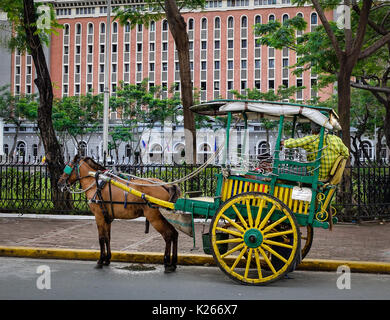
(368, 242)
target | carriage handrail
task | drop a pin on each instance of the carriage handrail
(144, 196)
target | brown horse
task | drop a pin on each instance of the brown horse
(108, 202)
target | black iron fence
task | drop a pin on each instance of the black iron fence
(25, 188)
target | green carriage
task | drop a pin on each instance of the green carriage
(262, 222)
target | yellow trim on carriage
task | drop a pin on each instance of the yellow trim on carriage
(163, 203)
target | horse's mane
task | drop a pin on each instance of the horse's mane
(93, 164)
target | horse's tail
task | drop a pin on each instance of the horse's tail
(174, 193)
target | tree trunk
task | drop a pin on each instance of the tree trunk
(386, 124)
(178, 30)
(52, 148)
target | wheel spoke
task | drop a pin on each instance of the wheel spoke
(258, 265)
(240, 216)
(267, 260)
(236, 248)
(248, 209)
(234, 224)
(269, 214)
(258, 217)
(234, 240)
(280, 244)
(273, 225)
(248, 263)
(274, 252)
(234, 233)
(277, 234)
(238, 258)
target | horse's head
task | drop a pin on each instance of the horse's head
(71, 174)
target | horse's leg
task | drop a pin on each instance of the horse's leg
(102, 232)
(108, 241)
(169, 234)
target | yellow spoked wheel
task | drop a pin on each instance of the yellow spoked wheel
(260, 240)
(307, 233)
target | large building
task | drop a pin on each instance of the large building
(223, 50)
(224, 56)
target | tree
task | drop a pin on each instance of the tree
(373, 73)
(28, 37)
(15, 109)
(141, 108)
(329, 50)
(156, 9)
(78, 117)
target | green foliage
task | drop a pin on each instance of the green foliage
(15, 108)
(77, 116)
(151, 10)
(15, 14)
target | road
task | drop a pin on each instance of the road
(22, 278)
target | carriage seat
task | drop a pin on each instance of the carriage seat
(336, 173)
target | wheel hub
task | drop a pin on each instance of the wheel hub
(253, 238)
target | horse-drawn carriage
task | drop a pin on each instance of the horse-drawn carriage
(258, 217)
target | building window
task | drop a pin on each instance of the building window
(231, 23)
(313, 18)
(217, 23)
(204, 24)
(244, 22)
(165, 25)
(21, 149)
(35, 150)
(82, 149)
(263, 148)
(191, 24)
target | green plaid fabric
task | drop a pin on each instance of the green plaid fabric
(333, 145)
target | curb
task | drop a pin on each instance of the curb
(183, 259)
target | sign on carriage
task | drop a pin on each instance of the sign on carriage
(303, 194)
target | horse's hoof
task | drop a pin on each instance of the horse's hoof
(170, 269)
(99, 266)
(106, 263)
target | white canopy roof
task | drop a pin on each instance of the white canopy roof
(259, 109)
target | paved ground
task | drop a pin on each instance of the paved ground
(365, 242)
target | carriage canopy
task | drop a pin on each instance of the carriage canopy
(325, 117)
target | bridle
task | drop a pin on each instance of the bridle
(68, 170)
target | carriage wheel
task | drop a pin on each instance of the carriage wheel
(257, 239)
(307, 233)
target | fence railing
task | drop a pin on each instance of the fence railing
(25, 188)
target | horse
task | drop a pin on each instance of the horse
(108, 202)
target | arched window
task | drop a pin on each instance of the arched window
(82, 149)
(114, 27)
(365, 151)
(90, 28)
(204, 24)
(257, 19)
(127, 27)
(217, 23)
(190, 24)
(165, 25)
(313, 18)
(230, 22)
(244, 22)
(263, 149)
(271, 17)
(179, 153)
(21, 149)
(152, 26)
(285, 18)
(67, 28)
(102, 28)
(78, 28)
(155, 154)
